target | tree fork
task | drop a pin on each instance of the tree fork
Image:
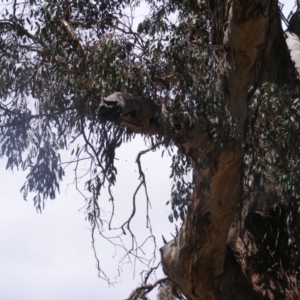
(199, 261)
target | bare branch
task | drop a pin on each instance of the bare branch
(19, 29)
(142, 291)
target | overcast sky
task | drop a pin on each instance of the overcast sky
(49, 256)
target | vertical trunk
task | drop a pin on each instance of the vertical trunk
(197, 260)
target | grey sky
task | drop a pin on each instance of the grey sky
(49, 256)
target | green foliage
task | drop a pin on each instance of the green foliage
(272, 158)
(182, 187)
(58, 60)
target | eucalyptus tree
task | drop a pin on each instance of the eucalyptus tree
(212, 79)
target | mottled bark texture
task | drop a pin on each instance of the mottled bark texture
(199, 260)
(196, 260)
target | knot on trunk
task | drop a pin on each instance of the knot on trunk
(137, 113)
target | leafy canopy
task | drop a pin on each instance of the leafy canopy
(59, 59)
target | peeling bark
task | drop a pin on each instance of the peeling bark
(244, 38)
(196, 258)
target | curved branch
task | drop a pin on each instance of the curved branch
(19, 29)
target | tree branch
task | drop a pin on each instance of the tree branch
(142, 291)
(75, 42)
(20, 29)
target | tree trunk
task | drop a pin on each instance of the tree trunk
(199, 261)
